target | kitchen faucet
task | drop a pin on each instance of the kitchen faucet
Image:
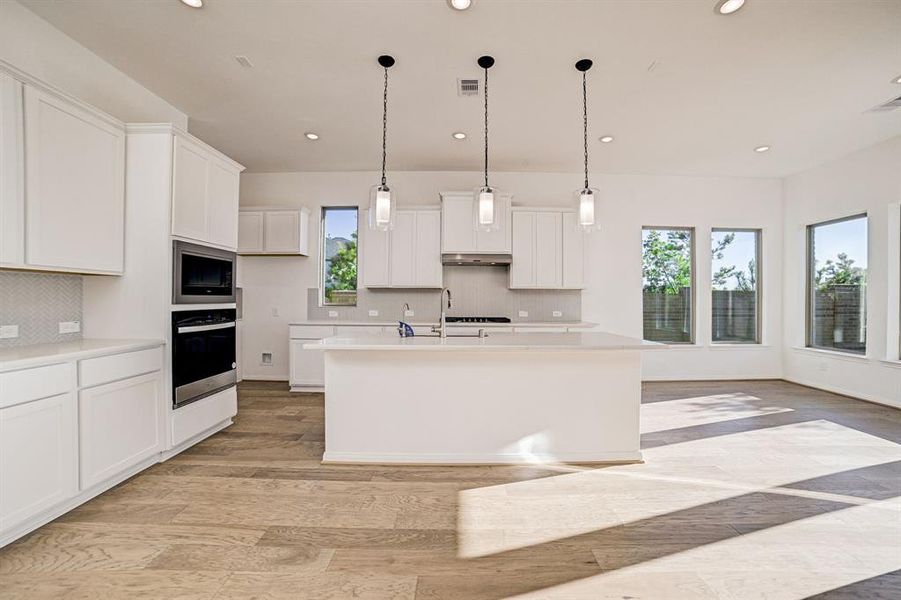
(441, 329)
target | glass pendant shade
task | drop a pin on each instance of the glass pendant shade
(382, 208)
(485, 209)
(588, 203)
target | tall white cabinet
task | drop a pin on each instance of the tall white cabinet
(548, 250)
(62, 190)
(407, 256)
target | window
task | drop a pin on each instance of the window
(837, 285)
(339, 256)
(735, 273)
(668, 276)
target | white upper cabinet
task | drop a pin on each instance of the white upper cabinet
(205, 188)
(274, 231)
(547, 250)
(407, 256)
(62, 183)
(458, 231)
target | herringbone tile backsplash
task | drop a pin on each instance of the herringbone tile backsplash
(37, 302)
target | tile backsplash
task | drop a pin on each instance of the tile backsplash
(37, 303)
(477, 291)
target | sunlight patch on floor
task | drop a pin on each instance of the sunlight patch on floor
(676, 477)
(703, 410)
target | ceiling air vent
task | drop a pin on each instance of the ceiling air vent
(890, 105)
(244, 61)
(468, 87)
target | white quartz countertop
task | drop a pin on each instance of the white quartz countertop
(497, 341)
(573, 324)
(36, 355)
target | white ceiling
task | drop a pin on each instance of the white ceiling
(684, 90)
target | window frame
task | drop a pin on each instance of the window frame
(321, 267)
(693, 321)
(810, 273)
(758, 258)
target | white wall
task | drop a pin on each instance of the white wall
(36, 47)
(613, 297)
(866, 181)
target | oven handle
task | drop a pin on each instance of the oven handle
(191, 328)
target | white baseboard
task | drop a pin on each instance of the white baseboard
(307, 388)
(844, 392)
(478, 459)
(166, 455)
(260, 377)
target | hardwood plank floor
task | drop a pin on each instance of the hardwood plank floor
(748, 490)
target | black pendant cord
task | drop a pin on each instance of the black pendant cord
(384, 126)
(486, 127)
(585, 123)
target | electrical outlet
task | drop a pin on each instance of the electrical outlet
(822, 365)
(557, 313)
(69, 326)
(408, 313)
(373, 313)
(266, 359)
(275, 311)
(9, 331)
(523, 314)
(333, 314)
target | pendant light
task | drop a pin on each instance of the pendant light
(587, 197)
(382, 202)
(485, 206)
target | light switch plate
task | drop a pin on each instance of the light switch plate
(9, 332)
(69, 326)
(557, 313)
(373, 313)
(333, 314)
(523, 314)
(408, 313)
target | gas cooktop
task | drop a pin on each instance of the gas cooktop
(477, 319)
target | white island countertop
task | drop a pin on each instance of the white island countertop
(496, 341)
(22, 357)
(414, 323)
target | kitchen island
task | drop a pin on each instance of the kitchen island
(505, 398)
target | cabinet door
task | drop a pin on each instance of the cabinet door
(498, 239)
(250, 232)
(573, 252)
(282, 235)
(458, 232)
(75, 186)
(428, 269)
(548, 250)
(190, 193)
(38, 454)
(304, 232)
(119, 426)
(307, 366)
(403, 250)
(522, 269)
(12, 165)
(223, 205)
(374, 254)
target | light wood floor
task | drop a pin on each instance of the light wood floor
(749, 490)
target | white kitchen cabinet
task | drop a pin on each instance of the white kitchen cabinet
(280, 231)
(543, 243)
(74, 186)
(307, 366)
(12, 173)
(408, 255)
(119, 426)
(522, 268)
(548, 250)
(205, 188)
(459, 234)
(573, 252)
(38, 458)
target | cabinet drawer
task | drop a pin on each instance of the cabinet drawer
(355, 330)
(17, 387)
(311, 332)
(94, 371)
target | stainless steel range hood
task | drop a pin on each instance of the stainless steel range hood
(477, 260)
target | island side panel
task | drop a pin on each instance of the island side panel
(482, 407)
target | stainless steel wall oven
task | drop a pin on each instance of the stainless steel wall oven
(203, 354)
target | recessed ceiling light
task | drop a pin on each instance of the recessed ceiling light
(193, 3)
(897, 79)
(606, 139)
(312, 136)
(761, 149)
(459, 4)
(727, 7)
(459, 135)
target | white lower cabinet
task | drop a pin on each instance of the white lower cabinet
(307, 366)
(119, 426)
(38, 458)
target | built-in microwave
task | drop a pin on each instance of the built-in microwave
(202, 274)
